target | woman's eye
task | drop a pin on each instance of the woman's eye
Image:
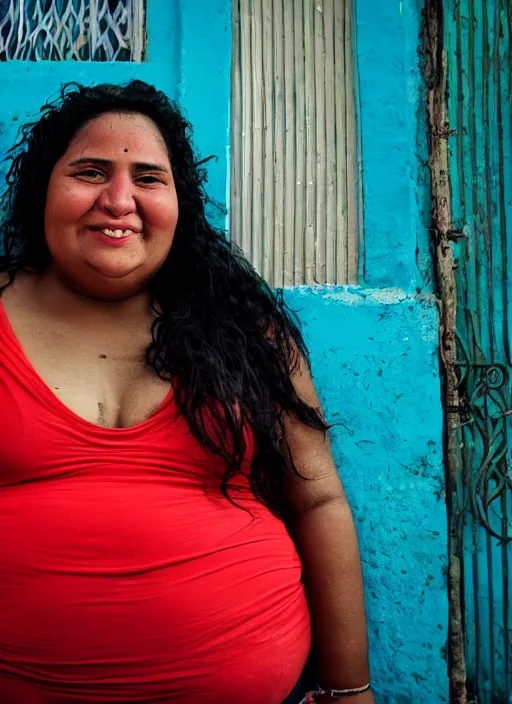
(148, 179)
(90, 174)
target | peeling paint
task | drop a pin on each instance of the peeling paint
(361, 295)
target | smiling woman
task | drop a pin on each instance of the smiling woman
(120, 193)
(160, 437)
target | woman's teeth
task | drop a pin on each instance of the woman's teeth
(117, 233)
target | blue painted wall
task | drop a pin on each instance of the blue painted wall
(374, 358)
(205, 85)
(373, 348)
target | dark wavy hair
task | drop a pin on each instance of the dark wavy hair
(227, 341)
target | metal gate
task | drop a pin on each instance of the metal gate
(478, 54)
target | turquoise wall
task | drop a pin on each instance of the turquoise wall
(374, 359)
(373, 348)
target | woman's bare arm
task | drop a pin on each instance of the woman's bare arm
(324, 532)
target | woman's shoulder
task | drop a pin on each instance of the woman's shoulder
(14, 290)
(14, 283)
(5, 284)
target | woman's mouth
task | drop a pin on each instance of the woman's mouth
(116, 234)
(114, 238)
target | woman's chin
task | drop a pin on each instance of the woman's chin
(115, 267)
(107, 281)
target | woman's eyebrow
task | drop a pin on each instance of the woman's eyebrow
(139, 166)
(91, 160)
(142, 166)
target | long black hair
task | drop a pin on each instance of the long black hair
(225, 339)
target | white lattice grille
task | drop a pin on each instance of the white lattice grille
(80, 30)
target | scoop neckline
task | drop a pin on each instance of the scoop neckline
(60, 408)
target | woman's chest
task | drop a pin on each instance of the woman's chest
(116, 391)
(101, 377)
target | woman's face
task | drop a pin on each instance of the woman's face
(111, 207)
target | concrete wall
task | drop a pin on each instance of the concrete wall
(374, 358)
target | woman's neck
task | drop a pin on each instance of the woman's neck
(61, 301)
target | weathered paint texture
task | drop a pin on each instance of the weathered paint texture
(374, 358)
(393, 142)
(478, 42)
(435, 78)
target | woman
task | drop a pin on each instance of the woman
(160, 437)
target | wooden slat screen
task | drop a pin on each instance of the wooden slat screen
(295, 195)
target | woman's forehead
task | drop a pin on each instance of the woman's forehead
(119, 132)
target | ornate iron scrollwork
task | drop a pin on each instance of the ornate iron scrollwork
(484, 409)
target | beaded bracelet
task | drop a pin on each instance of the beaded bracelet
(343, 692)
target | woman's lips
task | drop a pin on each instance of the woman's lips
(112, 241)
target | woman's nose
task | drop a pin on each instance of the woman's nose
(117, 197)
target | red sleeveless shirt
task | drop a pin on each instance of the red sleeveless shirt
(123, 578)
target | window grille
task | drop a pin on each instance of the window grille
(79, 30)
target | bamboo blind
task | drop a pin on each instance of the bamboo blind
(295, 199)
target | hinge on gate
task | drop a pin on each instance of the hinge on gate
(455, 235)
(461, 408)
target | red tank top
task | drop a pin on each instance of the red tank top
(122, 577)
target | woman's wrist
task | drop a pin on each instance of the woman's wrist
(346, 692)
(364, 698)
